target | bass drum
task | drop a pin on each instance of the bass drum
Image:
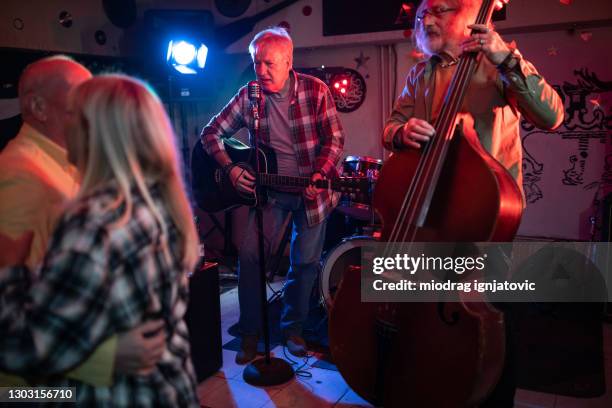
(336, 261)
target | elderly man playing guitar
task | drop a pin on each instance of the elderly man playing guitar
(300, 123)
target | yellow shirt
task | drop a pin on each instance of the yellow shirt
(36, 180)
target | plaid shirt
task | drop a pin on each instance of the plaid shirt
(97, 281)
(315, 128)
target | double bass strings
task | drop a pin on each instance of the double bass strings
(454, 98)
(428, 167)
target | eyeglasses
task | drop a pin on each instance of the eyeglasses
(434, 11)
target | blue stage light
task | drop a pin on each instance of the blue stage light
(186, 57)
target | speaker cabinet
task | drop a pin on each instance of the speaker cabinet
(204, 320)
(606, 226)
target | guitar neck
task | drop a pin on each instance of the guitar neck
(268, 179)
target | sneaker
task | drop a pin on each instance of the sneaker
(296, 345)
(248, 349)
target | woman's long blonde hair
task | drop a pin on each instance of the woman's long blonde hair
(122, 134)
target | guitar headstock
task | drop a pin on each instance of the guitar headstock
(358, 188)
(351, 185)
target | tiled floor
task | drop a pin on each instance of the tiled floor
(328, 389)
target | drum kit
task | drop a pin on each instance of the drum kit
(352, 224)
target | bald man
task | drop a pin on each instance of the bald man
(36, 180)
(35, 176)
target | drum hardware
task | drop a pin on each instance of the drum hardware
(359, 226)
(335, 262)
(359, 207)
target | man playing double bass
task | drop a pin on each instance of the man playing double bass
(504, 87)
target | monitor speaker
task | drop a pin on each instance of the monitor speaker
(204, 320)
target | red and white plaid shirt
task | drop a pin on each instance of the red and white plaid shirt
(315, 127)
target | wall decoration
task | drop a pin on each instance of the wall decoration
(355, 94)
(532, 174)
(100, 37)
(585, 123)
(405, 16)
(348, 87)
(18, 24)
(232, 8)
(586, 36)
(65, 19)
(361, 60)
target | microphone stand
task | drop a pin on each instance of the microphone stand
(269, 370)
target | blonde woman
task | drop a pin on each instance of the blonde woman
(119, 256)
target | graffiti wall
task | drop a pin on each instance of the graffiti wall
(568, 172)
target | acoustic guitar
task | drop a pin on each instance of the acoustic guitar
(213, 191)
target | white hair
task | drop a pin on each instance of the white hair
(273, 36)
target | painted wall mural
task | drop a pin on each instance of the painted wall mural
(586, 122)
(587, 129)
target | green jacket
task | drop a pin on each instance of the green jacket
(492, 107)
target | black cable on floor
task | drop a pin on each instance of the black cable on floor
(300, 371)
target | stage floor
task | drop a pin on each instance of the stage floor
(327, 388)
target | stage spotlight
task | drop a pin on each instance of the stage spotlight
(186, 57)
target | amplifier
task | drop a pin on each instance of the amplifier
(203, 319)
(606, 225)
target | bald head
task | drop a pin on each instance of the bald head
(43, 94)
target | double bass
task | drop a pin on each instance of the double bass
(445, 354)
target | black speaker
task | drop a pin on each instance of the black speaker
(606, 225)
(203, 318)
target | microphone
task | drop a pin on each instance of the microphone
(254, 90)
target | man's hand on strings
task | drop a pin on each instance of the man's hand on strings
(242, 180)
(311, 191)
(414, 133)
(486, 40)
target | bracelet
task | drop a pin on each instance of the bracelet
(504, 65)
(396, 141)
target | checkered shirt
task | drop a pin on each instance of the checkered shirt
(96, 281)
(315, 128)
